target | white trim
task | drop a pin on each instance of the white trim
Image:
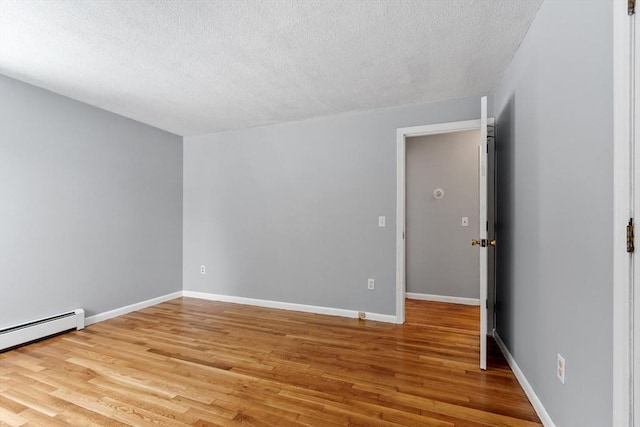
(442, 298)
(439, 128)
(377, 317)
(289, 306)
(129, 308)
(401, 159)
(387, 318)
(524, 383)
(401, 138)
(621, 212)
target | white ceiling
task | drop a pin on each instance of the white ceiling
(195, 67)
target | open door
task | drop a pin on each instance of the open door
(483, 243)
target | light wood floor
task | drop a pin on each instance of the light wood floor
(197, 362)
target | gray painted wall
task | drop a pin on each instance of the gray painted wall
(440, 259)
(554, 108)
(289, 212)
(90, 207)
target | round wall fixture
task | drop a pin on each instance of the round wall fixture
(438, 193)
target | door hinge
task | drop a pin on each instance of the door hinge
(631, 7)
(630, 238)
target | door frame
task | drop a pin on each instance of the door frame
(401, 194)
(626, 196)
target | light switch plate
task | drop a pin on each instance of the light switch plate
(382, 221)
(465, 221)
(561, 368)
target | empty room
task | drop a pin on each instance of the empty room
(319, 213)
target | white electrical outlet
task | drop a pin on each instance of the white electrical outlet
(561, 368)
(371, 284)
(203, 270)
(382, 221)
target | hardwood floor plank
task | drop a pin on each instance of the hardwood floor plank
(196, 362)
(33, 400)
(11, 419)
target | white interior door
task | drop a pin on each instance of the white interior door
(484, 243)
(635, 290)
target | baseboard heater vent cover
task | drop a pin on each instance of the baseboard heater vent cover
(42, 328)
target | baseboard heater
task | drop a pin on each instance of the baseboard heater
(41, 328)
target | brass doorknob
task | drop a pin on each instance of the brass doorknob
(483, 243)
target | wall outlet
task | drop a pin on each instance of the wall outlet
(382, 221)
(362, 315)
(203, 270)
(561, 368)
(371, 284)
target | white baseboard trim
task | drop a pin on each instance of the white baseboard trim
(524, 383)
(440, 298)
(289, 306)
(129, 308)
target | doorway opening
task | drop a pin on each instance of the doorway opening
(485, 240)
(442, 204)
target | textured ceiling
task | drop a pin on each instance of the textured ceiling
(194, 67)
